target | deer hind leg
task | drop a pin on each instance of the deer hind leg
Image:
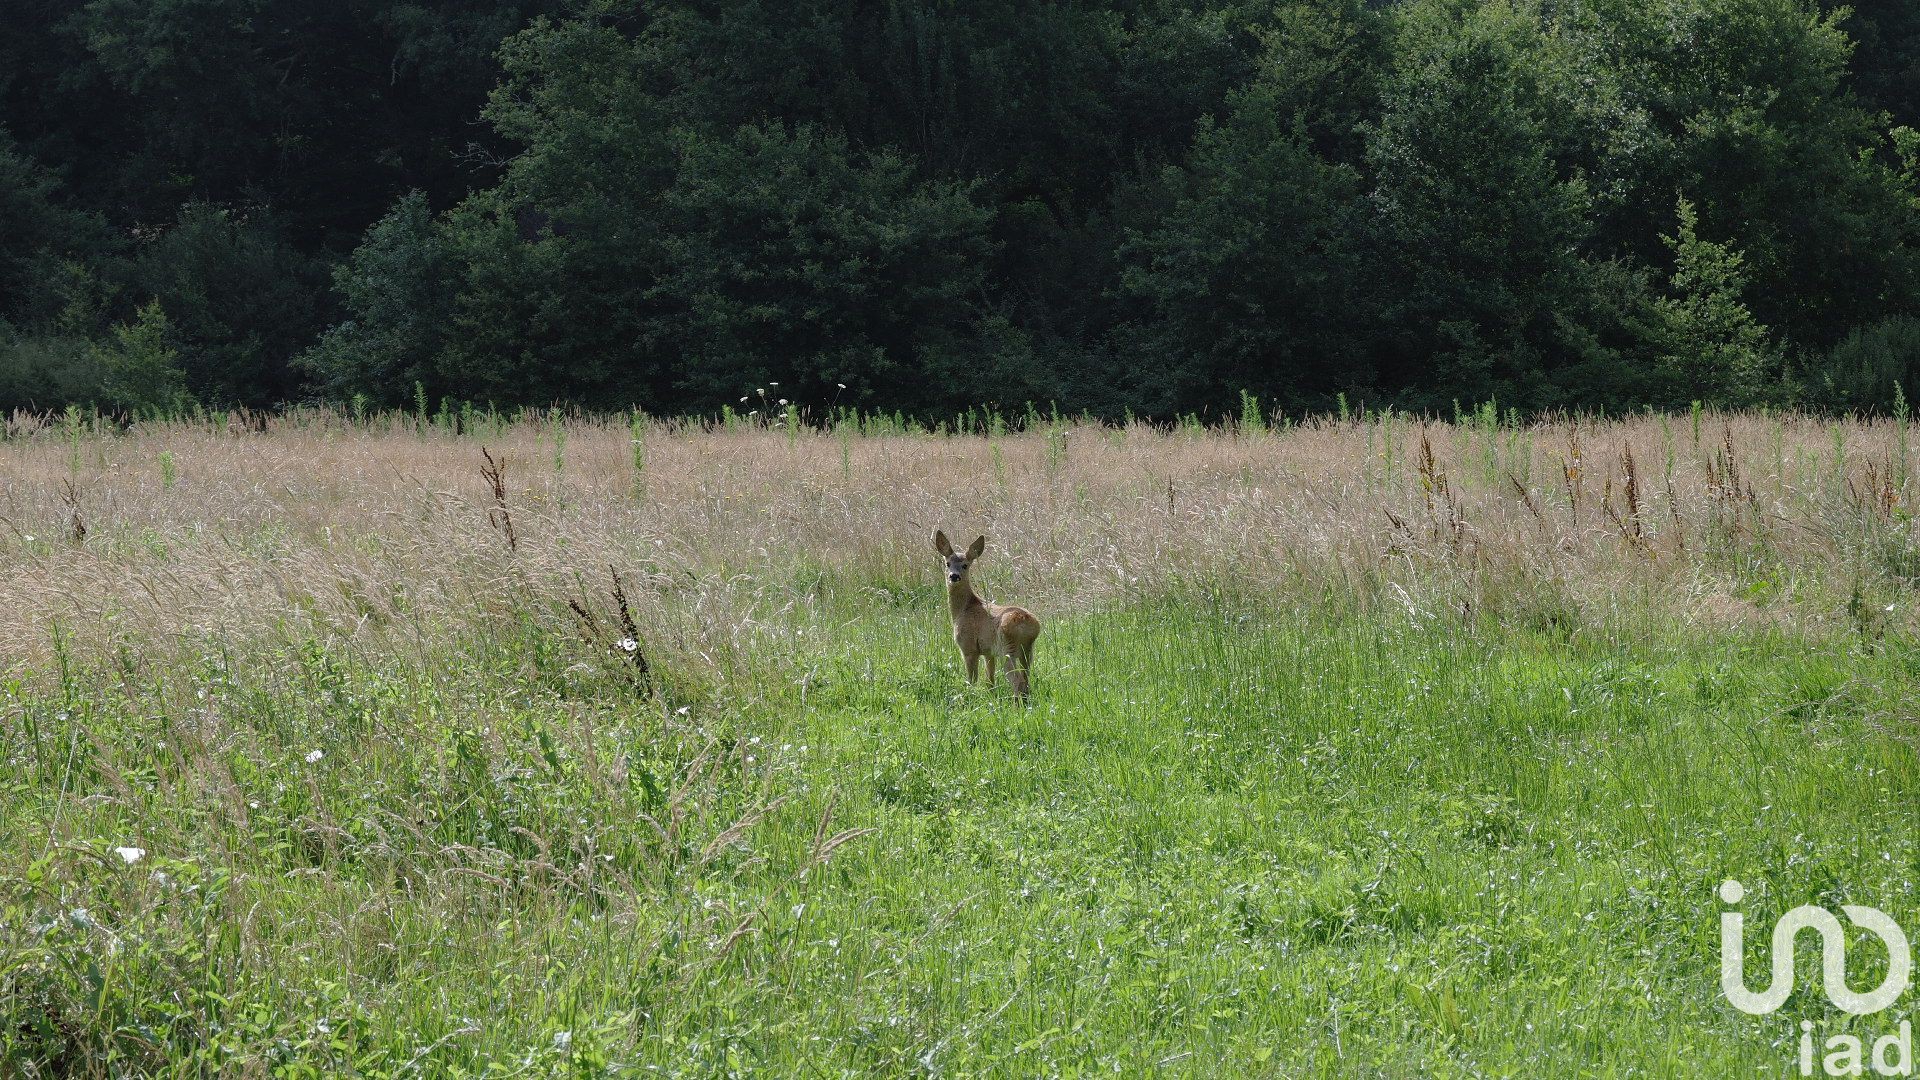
(1018, 658)
(1016, 667)
(1020, 667)
(989, 657)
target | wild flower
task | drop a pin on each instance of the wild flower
(130, 855)
(315, 756)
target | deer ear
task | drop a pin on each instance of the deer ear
(978, 548)
(940, 543)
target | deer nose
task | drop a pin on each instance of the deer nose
(952, 576)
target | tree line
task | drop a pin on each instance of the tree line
(1117, 206)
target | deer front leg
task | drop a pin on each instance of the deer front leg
(989, 669)
(973, 665)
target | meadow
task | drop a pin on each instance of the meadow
(470, 745)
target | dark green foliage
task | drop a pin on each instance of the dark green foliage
(1480, 221)
(140, 369)
(1886, 57)
(1874, 366)
(41, 371)
(1714, 350)
(44, 243)
(1109, 204)
(398, 297)
(786, 255)
(1252, 267)
(242, 300)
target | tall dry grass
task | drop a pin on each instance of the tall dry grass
(728, 538)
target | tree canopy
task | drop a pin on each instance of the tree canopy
(1122, 205)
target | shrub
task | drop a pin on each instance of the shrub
(1863, 370)
(140, 369)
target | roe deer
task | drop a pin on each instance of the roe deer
(980, 628)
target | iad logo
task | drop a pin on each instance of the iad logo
(1833, 955)
(1845, 1050)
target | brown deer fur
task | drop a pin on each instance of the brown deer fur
(984, 629)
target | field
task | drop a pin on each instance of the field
(1362, 747)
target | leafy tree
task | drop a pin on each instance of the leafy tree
(783, 254)
(1715, 350)
(1113, 203)
(140, 370)
(242, 299)
(1251, 269)
(1886, 55)
(44, 243)
(1746, 106)
(1873, 366)
(397, 291)
(1479, 220)
(768, 256)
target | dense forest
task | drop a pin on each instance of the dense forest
(922, 205)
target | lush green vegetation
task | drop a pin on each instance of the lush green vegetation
(1111, 204)
(311, 764)
(1227, 839)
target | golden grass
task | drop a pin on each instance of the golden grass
(312, 524)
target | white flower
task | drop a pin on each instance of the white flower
(683, 710)
(627, 644)
(761, 390)
(743, 399)
(130, 855)
(314, 757)
(842, 386)
(773, 384)
(562, 1040)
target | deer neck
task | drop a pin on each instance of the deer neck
(960, 598)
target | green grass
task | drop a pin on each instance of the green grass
(1225, 839)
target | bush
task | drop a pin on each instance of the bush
(43, 371)
(1870, 362)
(241, 301)
(140, 369)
